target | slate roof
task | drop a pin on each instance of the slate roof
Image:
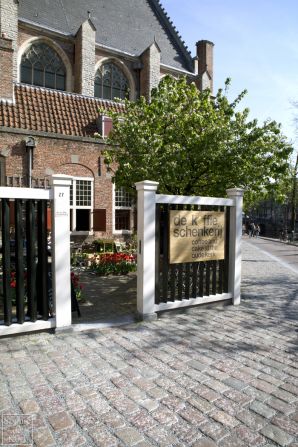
(126, 25)
(46, 110)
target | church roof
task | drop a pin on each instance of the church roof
(126, 25)
(45, 110)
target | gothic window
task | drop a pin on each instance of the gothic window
(41, 65)
(110, 82)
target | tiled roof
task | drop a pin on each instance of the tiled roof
(45, 110)
(127, 25)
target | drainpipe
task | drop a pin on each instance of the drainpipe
(30, 145)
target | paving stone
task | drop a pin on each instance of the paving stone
(157, 393)
(287, 424)
(257, 394)
(5, 402)
(251, 419)
(21, 393)
(164, 416)
(238, 397)
(74, 402)
(173, 403)
(149, 404)
(87, 392)
(262, 409)
(102, 437)
(276, 434)
(29, 406)
(180, 392)
(204, 442)
(129, 436)
(113, 419)
(285, 395)
(201, 404)
(43, 437)
(163, 438)
(207, 393)
(192, 415)
(144, 384)
(216, 385)
(280, 405)
(60, 421)
(143, 420)
(239, 385)
(135, 393)
(70, 438)
(198, 365)
(264, 386)
(232, 441)
(186, 432)
(214, 431)
(249, 436)
(271, 379)
(293, 389)
(224, 418)
(294, 416)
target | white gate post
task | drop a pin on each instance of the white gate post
(146, 248)
(61, 249)
(235, 243)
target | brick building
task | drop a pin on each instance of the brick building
(59, 62)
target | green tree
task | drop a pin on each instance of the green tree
(194, 144)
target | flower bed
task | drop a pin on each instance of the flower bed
(113, 263)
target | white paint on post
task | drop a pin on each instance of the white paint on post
(235, 243)
(146, 248)
(61, 249)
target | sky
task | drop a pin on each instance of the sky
(256, 45)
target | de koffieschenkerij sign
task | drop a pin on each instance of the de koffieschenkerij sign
(196, 236)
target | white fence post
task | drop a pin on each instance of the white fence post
(146, 248)
(235, 243)
(61, 249)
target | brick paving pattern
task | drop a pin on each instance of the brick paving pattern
(203, 378)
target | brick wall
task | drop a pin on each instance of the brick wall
(65, 156)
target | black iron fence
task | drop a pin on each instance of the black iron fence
(25, 266)
(192, 279)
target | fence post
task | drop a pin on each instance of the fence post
(235, 243)
(61, 249)
(146, 248)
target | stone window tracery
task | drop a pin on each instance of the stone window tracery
(110, 82)
(42, 66)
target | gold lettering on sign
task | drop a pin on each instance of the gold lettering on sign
(196, 236)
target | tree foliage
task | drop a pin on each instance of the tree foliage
(194, 144)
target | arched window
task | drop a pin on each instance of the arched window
(110, 82)
(41, 65)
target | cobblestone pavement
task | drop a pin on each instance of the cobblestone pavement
(207, 377)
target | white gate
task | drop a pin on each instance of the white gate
(229, 209)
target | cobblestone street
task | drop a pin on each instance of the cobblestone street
(225, 376)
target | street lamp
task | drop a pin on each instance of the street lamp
(30, 145)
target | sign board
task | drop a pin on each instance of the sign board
(196, 236)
